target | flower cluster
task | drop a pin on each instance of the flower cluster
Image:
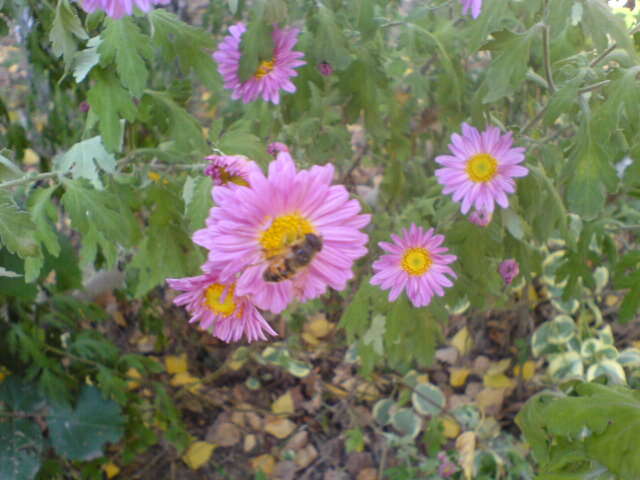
(272, 239)
(119, 8)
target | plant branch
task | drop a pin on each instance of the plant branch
(595, 86)
(611, 48)
(547, 58)
(28, 179)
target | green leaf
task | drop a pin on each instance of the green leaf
(185, 43)
(21, 396)
(375, 335)
(355, 319)
(406, 422)
(85, 159)
(257, 42)
(66, 25)
(592, 175)
(166, 251)
(235, 142)
(86, 59)
(16, 228)
(509, 64)
(627, 275)
(427, 399)
(563, 99)
(275, 11)
(80, 433)
(21, 445)
(124, 43)
(600, 21)
(196, 195)
(330, 44)
(110, 102)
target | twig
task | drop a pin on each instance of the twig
(595, 86)
(547, 58)
(28, 179)
(535, 119)
(611, 48)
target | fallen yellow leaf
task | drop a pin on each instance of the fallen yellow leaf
(185, 378)
(110, 469)
(528, 370)
(611, 300)
(30, 157)
(458, 376)
(265, 463)
(133, 373)
(466, 446)
(198, 454)
(462, 341)
(310, 339)
(499, 367)
(490, 398)
(279, 427)
(283, 405)
(318, 326)
(176, 363)
(451, 427)
(498, 380)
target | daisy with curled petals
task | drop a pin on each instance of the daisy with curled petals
(230, 170)
(119, 8)
(252, 229)
(218, 309)
(415, 262)
(481, 169)
(474, 5)
(271, 76)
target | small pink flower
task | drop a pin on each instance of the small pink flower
(446, 468)
(482, 218)
(252, 229)
(271, 76)
(416, 262)
(481, 169)
(230, 170)
(474, 5)
(218, 309)
(325, 68)
(509, 269)
(84, 107)
(277, 147)
(119, 8)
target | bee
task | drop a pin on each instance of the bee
(299, 255)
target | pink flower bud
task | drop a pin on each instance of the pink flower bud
(277, 147)
(482, 218)
(509, 269)
(84, 107)
(325, 68)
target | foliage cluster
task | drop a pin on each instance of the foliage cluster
(120, 185)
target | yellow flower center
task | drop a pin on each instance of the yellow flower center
(215, 293)
(482, 167)
(284, 231)
(416, 261)
(265, 68)
(226, 177)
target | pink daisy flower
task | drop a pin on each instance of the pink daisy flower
(119, 8)
(481, 169)
(416, 262)
(230, 170)
(474, 5)
(271, 76)
(218, 309)
(287, 237)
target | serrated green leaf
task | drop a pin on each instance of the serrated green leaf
(237, 142)
(330, 44)
(85, 159)
(256, 46)
(66, 25)
(185, 43)
(124, 44)
(21, 396)
(81, 433)
(600, 21)
(375, 335)
(17, 230)
(110, 102)
(21, 445)
(197, 200)
(510, 63)
(562, 100)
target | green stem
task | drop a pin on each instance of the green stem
(28, 179)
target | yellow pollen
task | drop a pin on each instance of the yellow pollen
(284, 231)
(416, 261)
(265, 68)
(481, 167)
(213, 296)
